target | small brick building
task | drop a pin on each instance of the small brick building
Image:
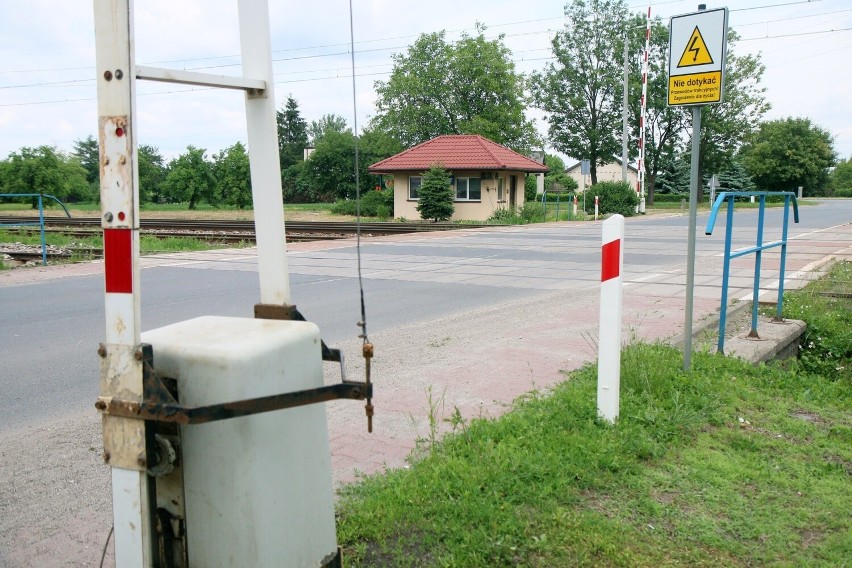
(485, 175)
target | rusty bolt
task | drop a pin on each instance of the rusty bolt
(101, 349)
(119, 74)
(137, 354)
(100, 405)
(356, 393)
(122, 160)
(108, 217)
(108, 75)
(106, 456)
(368, 350)
(142, 460)
(106, 160)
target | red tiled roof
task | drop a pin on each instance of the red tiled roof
(458, 152)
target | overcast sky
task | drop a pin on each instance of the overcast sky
(47, 55)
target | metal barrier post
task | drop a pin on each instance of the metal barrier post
(726, 270)
(41, 224)
(780, 303)
(758, 256)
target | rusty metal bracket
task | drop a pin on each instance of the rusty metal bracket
(160, 405)
(290, 312)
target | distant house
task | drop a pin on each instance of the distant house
(485, 175)
(608, 172)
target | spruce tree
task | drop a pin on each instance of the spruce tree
(435, 195)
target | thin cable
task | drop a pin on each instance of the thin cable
(774, 5)
(366, 346)
(794, 34)
(363, 322)
(106, 544)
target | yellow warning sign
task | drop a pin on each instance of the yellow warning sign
(696, 52)
(697, 88)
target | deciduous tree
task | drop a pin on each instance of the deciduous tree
(581, 90)
(788, 153)
(328, 123)
(232, 176)
(189, 178)
(664, 125)
(726, 126)
(466, 87)
(330, 170)
(45, 170)
(152, 172)
(557, 174)
(840, 180)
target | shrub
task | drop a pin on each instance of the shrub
(615, 197)
(373, 204)
(530, 188)
(560, 197)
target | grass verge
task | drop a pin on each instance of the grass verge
(728, 464)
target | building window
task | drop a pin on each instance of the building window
(500, 196)
(414, 187)
(468, 189)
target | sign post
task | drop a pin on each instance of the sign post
(697, 52)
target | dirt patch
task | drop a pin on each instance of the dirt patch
(809, 417)
(810, 537)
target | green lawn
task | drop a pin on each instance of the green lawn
(729, 464)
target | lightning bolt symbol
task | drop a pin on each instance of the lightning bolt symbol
(694, 49)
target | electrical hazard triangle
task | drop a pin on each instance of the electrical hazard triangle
(696, 52)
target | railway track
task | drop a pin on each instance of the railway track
(214, 231)
(298, 230)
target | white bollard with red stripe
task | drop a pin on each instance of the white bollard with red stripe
(609, 334)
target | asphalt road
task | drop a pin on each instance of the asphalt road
(50, 329)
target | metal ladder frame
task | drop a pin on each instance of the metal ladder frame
(121, 356)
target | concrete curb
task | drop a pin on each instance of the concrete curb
(778, 340)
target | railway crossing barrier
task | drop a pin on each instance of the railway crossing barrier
(251, 489)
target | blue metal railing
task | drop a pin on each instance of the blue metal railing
(730, 196)
(40, 223)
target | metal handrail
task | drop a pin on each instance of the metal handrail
(730, 196)
(41, 197)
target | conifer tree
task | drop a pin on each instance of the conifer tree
(435, 195)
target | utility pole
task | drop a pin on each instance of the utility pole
(624, 131)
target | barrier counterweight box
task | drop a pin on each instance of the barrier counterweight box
(258, 489)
